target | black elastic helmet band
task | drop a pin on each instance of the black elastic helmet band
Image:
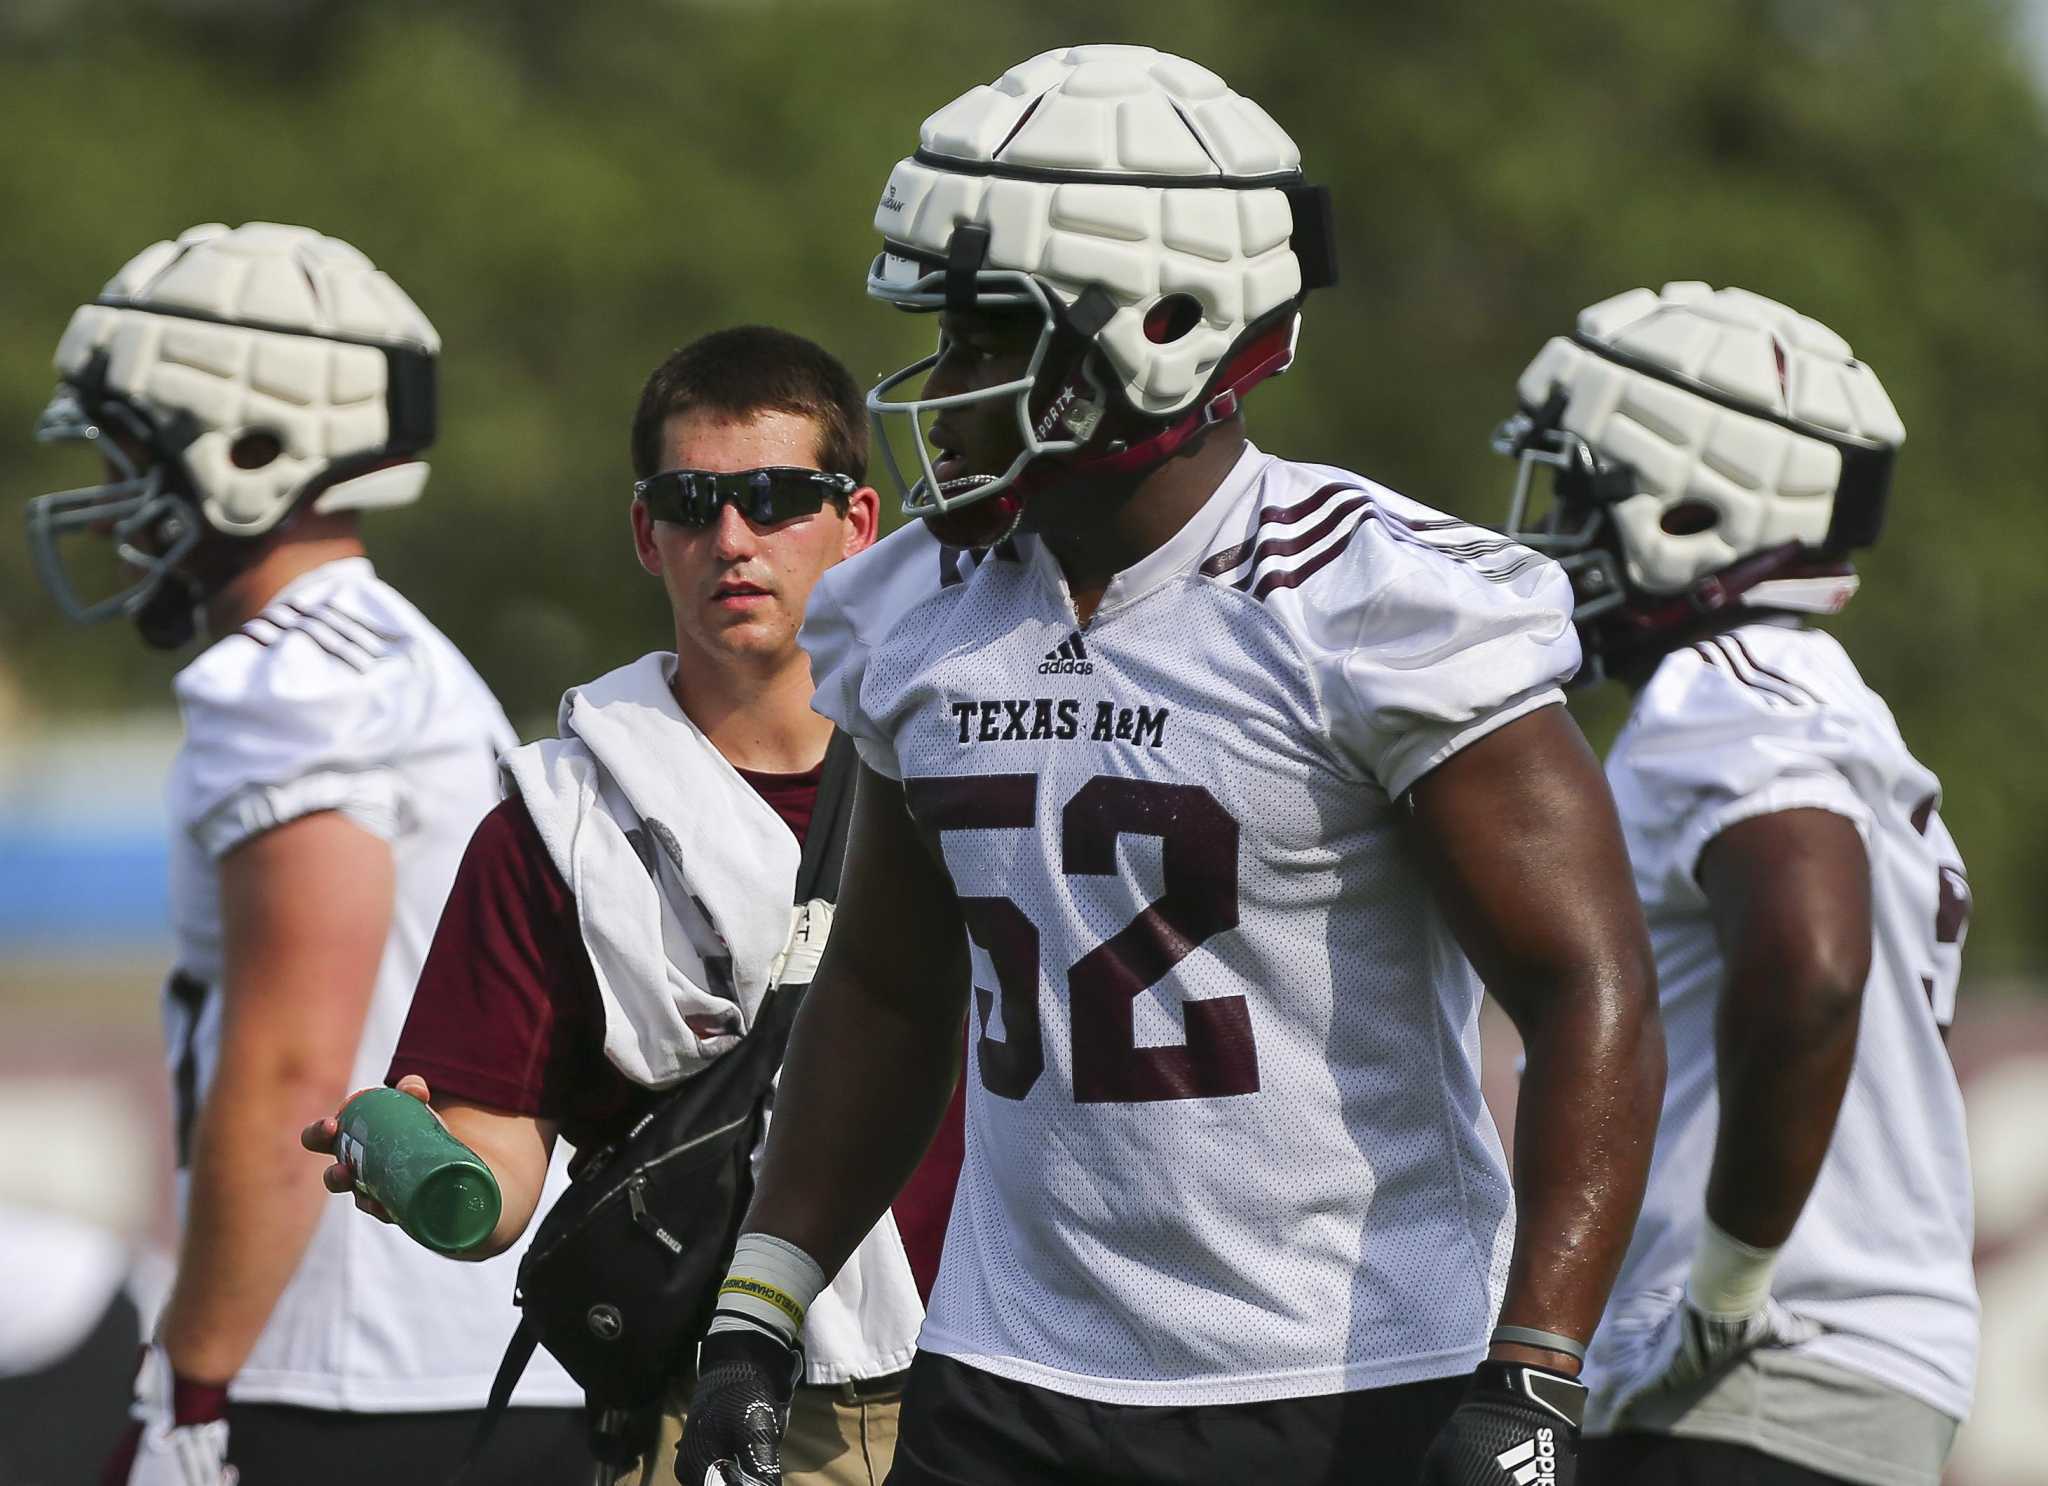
(1094, 309)
(1861, 495)
(1314, 238)
(178, 433)
(966, 253)
(410, 399)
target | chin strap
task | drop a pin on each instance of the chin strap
(1727, 588)
(1633, 630)
(1266, 356)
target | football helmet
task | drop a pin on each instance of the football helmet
(230, 379)
(1128, 197)
(1707, 448)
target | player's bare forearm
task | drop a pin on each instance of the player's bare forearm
(1790, 894)
(250, 1211)
(304, 913)
(876, 1049)
(1585, 1122)
(1519, 836)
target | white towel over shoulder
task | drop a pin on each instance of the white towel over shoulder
(681, 872)
(683, 876)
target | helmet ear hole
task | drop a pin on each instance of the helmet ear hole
(1689, 518)
(1171, 318)
(252, 451)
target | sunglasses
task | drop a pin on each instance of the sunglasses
(765, 496)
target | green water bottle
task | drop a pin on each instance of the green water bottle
(436, 1188)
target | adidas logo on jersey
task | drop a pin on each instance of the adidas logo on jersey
(1070, 658)
(1533, 1462)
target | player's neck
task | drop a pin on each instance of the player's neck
(1097, 535)
(314, 542)
(759, 718)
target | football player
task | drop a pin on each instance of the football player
(1796, 1305)
(250, 392)
(1234, 780)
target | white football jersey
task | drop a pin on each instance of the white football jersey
(341, 696)
(1225, 1140)
(1765, 718)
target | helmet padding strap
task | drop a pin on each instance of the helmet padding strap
(1718, 591)
(966, 252)
(1087, 316)
(1314, 239)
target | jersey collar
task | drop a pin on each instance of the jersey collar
(1185, 548)
(349, 569)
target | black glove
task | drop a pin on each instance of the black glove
(739, 1409)
(1516, 1426)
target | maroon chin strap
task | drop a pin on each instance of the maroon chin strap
(1267, 355)
(1717, 591)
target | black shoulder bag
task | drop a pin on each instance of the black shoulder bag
(622, 1275)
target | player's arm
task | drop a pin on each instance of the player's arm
(876, 1049)
(1790, 898)
(305, 909)
(1520, 839)
(871, 1065)
(516, 1147)
(505, 957)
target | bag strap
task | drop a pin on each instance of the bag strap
(518, 1352)
(817, 872)
(768, 1039)
(817, 875)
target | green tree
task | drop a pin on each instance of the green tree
(570, 191)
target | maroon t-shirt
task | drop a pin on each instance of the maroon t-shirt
(507, 1012)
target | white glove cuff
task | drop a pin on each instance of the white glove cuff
(1730, 1279)
(770, 1284)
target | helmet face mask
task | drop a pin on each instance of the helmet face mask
(904, 419)
(1575, 528)
(148, 526)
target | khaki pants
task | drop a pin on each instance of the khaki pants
(832, 1440)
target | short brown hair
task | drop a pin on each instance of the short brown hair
(752, 369)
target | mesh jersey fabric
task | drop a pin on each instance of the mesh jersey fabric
(1225, 1140)
(1761, 719)
(342, 696)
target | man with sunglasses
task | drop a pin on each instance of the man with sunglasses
(562, 995)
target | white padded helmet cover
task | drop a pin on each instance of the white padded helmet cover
(1117, 112)
(1766, 483)
(323, 399)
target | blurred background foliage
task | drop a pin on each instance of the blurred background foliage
(570, 190)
